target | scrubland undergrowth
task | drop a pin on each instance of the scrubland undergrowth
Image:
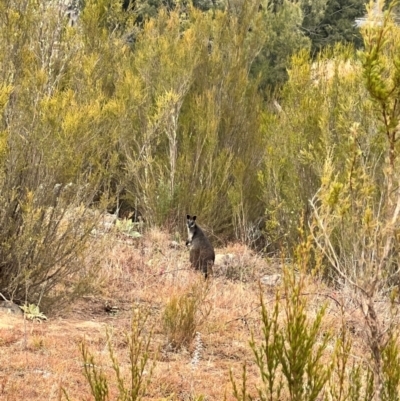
(195, 335)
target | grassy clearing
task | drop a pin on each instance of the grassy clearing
(39, 359)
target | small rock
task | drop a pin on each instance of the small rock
(174, 245)
(10, 308)
(271, 280)
(224, 259)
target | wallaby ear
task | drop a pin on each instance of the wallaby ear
(188, 216)
(194, 218)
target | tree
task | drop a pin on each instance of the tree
(336, 23)
(282, 21)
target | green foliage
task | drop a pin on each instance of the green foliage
(96, 378)
(338, 107)
(52, 164)
(130, 388)
(282, 21)
(381, 70)
(315, 114)
(356, 210)
(296, 360)
(128, 227)
(293, 349)
(333, 22)
(183, 315)
(32, 312)
(391, 369)
(189, 101)
(290, 356)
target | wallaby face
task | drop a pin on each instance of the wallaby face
(202, 254)
(191, 228)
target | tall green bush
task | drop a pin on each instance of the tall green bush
(312, 122)
(56, 154)
(193, 113)
(355, 212)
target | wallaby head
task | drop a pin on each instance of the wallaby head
(191, 221)
(191, 228)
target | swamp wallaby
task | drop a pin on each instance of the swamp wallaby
(202, 254)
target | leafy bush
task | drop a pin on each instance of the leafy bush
(32, 312)
(128, 227)
(43, 244)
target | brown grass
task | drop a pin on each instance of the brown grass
(38, 359)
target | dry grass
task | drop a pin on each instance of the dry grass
(39, 359)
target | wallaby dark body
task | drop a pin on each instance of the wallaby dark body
(202, 254)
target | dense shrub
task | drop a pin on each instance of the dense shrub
(54, 155)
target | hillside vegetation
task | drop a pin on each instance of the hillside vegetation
(218, 111)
